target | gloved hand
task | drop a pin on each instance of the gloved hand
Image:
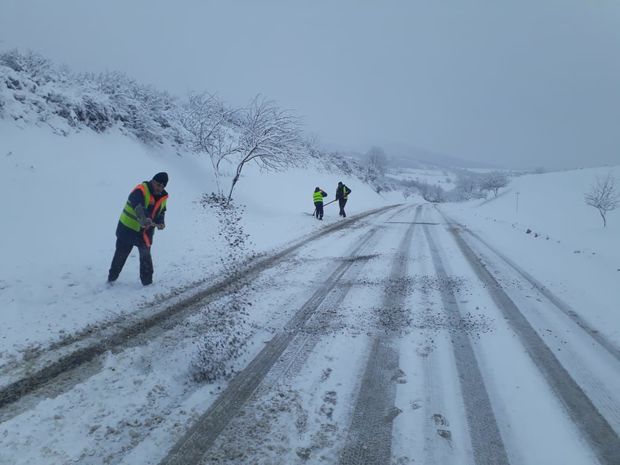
(160, 226)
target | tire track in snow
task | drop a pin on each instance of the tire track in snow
(369, 440)
(200, 437)
(593, 366)
(438, 450)
(65, 360)
(595, 429)
(605, 343)
(488, 446)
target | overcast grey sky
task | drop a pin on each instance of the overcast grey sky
(522, 83)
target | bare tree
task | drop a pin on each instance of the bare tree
(431, 192)
(493, 181)
(467, 185)
(268, 136)
(603, 196)
(377, 159)
(205, 117)
(310, 144)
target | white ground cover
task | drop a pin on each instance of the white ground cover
(567, 250)
(440, 177)
(63, 197)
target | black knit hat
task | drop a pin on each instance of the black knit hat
(161, 178)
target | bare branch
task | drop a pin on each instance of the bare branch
(603, 196)
(269, 136)
(205, 117)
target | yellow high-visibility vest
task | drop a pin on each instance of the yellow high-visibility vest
(129, 217)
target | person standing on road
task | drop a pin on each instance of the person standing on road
(342, 194)
(144, 211)
(317, 197)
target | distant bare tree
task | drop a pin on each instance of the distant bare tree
(204, 117)
(268, 136)
(493, 181)
(377, 159)
(432, 192)
(311, 145)
(603, 196)
(467, 185)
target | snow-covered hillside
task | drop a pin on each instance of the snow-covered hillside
(64, 198)
(439, 177)
(72, 147)
(542, 223)
(552, 206)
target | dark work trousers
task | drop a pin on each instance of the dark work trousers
(318, 210)
(342, 203)
(123, 249)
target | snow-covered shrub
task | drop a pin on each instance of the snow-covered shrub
(467, 185)
(98, 102)
(432, 192)
(94, 113)
(149, 114)
(3, 97)
(350, 166)
(493, 181)
(345, 165)
(37, 68)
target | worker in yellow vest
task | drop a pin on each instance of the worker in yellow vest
(143, 213)
(317, 197)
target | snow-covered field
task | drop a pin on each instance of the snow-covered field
(440, 177)
(567, 247)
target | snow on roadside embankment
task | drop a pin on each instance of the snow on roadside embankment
(63, 197)
(567, 248)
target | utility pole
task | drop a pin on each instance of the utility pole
(517, 202)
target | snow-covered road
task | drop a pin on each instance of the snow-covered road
(398, 339)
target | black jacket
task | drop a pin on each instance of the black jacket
(340, 192)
